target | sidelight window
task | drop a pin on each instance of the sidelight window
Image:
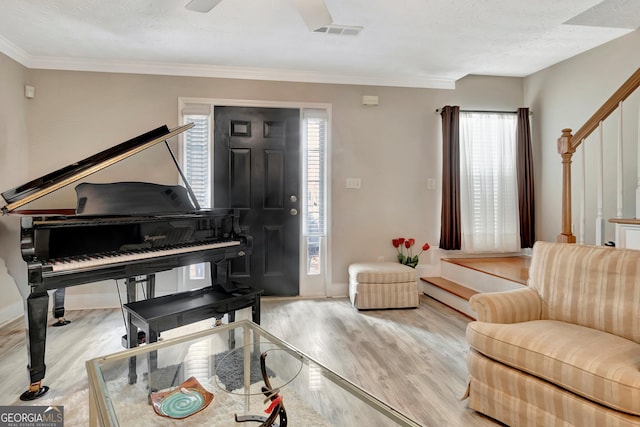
(196, 165)
(197, 157)
(314, 220)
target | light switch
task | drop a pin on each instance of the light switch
(431, 184)
(354, 183)
(29, 92)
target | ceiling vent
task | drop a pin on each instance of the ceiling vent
(340, 30)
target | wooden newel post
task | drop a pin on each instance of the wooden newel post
(566, 150)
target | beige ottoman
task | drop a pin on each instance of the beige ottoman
(374, 285)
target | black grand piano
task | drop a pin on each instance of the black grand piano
(123, 230)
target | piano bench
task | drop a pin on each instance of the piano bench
(155, 315)
(159, 314)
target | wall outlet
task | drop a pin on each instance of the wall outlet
(431, 184)
(381, 258)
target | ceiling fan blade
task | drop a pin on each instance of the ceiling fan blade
(314, 13)
(203, 6)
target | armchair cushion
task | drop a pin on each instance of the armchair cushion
(596, 365)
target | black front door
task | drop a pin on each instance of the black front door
(256, 170)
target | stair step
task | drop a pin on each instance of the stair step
(461, 278)
(512, 268)
(452, 287)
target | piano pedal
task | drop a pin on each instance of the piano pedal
(61, 322)
(35, 391)
(142, 339)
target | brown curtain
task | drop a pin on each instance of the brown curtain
(450, 234)
(524, 166)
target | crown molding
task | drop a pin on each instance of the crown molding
(13, 51)
(217, 71)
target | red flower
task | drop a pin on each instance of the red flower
(408, 258)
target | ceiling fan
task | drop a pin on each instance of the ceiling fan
(314, 12)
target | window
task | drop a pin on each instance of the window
(197, 157)
(197, 164)
(315, 137)
(488, 182)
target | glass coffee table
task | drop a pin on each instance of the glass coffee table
(234, 374)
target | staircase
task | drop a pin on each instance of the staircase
(603, 146)
(461, 278)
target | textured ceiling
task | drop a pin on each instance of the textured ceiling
(418, 43)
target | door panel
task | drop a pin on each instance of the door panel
(274, 250)
(256, 170)
(273, 179)
(239, 178)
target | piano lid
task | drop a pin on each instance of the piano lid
(53, 181)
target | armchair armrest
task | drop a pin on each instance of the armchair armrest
(520, 305)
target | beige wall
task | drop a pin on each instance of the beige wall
(13, 163)
(565, 96)
(393, 147)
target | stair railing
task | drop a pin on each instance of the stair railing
(568, 143)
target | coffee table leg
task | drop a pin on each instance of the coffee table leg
(132, 330)
(132, 337)
(255, 311)
(232, 332)
(152, 357)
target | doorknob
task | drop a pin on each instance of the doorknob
(293, 198)
(293, 211)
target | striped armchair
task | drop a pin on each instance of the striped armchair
(565, 350)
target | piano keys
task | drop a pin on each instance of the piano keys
(117, 231)
(72, 265)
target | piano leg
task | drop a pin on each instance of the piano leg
(132, 330)
(133, 338)
(37, 307)
(255, 310)
(58, 308)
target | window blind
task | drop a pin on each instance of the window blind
(315, 133)
(197, 158)
(488, 182)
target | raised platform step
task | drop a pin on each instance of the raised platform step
(464, 277)
(451, 287)
(512, 268)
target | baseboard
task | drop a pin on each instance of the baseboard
(11, 312)
(104, 300)
(107, 300)
(89, 301)
(339, 290)
(71, 302)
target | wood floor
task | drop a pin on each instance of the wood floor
(414, 359)
(514, 268)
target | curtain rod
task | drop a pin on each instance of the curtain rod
(484, 111)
